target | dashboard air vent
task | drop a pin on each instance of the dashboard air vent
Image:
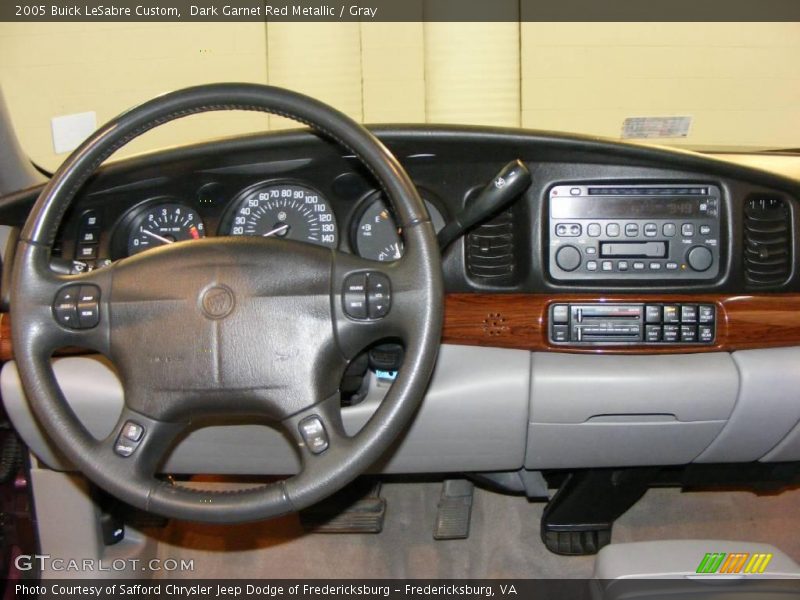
(767, 242)
(490, 249)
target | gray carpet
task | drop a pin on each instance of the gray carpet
(504, 541)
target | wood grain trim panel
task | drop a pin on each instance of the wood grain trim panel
(520, 321)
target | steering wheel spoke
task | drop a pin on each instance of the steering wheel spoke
(138, 444)
(318, 432)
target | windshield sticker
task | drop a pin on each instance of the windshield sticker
(641, 128)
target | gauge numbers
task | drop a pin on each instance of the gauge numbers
(285, 210)
(162, 224)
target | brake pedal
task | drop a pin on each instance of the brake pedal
(455, 510)
(358, 508)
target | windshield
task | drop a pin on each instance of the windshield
(720, 86)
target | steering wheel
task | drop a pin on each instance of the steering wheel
(253, 327)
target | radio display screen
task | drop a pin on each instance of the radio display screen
(631, 208)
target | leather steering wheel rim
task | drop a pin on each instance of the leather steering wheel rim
(281, 387)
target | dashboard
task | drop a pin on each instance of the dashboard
(635, 306)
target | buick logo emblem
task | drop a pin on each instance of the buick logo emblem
(217, 302)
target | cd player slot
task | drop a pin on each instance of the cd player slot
(634, 249)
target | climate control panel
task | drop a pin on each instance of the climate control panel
(600, 323)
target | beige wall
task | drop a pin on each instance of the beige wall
(739, 81)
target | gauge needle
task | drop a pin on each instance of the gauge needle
(155, 236)
(278, 229)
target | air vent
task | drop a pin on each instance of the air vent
(490, 249)
(767, 242)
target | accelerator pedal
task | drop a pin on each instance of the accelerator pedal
(455, 510)
(358, 508)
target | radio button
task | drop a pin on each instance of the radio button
(612, 230)
(687, 229)
(706, 313)
(705, 229)
(671, 333)
(594, 229)
(591, 250)
(672, 314)
(638, 266)
(706, 333)
(622, 265)
(671, 266)
(652, 333)
(669, 229)
(700, 258)
(591, 265)
(568, 258)
(655, 266)
(651, 230)
(574, 230)
(653, 314)
(608, 265)
(631, 230)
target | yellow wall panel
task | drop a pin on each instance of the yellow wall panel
(472, 73)
(322, 60)
(393, 72)
(740, 82)
(52, 69)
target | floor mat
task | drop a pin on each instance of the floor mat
(504, 538)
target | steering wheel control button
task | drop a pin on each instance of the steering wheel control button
(367, 295)
(88, 306)
(355, 296)
(65, 308)
(568, 258)
(132, 431)
(314, 435)
(379, 295)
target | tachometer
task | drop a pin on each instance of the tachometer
(377, 235)
(164, 223)
(285, 210)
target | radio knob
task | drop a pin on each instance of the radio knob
(568, 258)
(700, 258)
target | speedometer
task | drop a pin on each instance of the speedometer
(285, 210)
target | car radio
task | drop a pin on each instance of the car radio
(631, 232)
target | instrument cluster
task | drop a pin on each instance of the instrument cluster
(283, 209)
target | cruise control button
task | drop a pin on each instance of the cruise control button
(124, 448)
(132, 431)
(354, 296)
(314, 435)
(88, 306)
(379, 299)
